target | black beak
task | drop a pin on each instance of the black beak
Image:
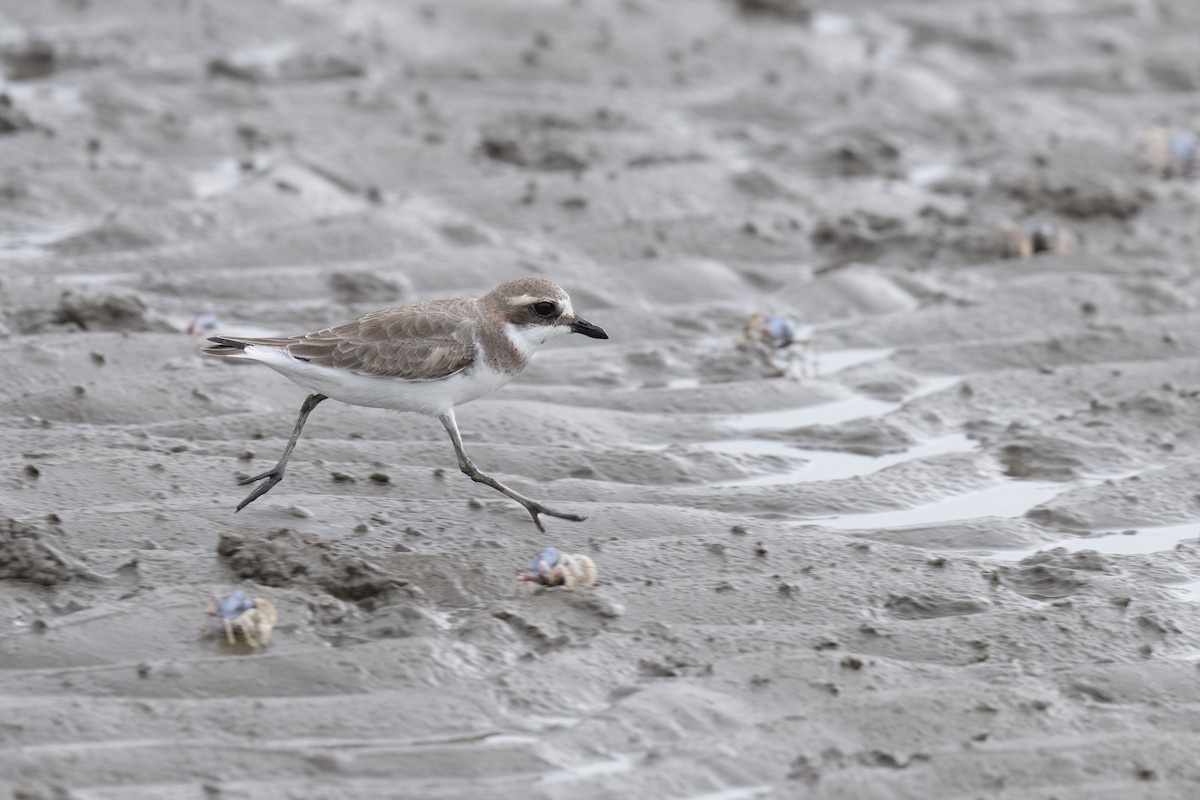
(588, 329)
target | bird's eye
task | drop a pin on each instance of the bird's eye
(543, 308)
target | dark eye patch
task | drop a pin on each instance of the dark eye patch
(544, 308)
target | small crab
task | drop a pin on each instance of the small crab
(254, 618)
(1171, 154)
(552, 567)
(778, 335)
(1037, 236)
(204, 325)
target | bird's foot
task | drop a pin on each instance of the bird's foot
(535, 508)
(532, 506)
(272, 476)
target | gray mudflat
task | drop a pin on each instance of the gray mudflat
(840, 586)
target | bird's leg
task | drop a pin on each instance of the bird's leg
(474, 473)
(275, 474)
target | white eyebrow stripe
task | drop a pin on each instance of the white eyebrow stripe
(524, 299)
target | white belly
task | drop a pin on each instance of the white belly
(423, 397)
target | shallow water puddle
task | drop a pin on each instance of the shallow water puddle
(1140, 541)
(838, 411)
(826, 364)
(217, 180)
(1189, 592)
(1006, 500)
(617, 764)
(827, 465)
(508, 739)
(823, 414)
(34, 245)
(834, 361)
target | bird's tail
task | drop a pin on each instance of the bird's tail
(223, 347)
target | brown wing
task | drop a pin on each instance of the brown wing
(422, 341)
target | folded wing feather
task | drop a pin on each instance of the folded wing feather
(423, 341)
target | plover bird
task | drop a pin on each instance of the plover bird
(426, 357)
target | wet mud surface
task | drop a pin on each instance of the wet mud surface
(955, 554)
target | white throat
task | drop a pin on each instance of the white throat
(528, 338)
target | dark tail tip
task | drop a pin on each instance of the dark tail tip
(227, 342)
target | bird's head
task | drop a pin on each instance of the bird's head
(537, 310)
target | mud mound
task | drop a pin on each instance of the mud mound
(285, 65)
(12, 119)
(111, 235)
(1039, 457)
(790, 10)
(361, 286)
(1054, 573)
(866, 437)
(26, 554)
(1083, 198)
(93, 311)
(288, 558)
(545, 142)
